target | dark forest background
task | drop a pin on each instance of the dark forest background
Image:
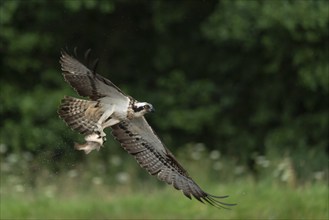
(247, 80)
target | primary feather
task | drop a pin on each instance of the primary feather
(139, 140)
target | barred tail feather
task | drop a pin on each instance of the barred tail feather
(76, 113)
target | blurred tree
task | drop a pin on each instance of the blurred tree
(238, 76)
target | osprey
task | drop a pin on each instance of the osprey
(108, 106)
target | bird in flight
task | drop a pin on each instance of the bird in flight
(108, 106)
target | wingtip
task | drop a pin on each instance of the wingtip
(218, 197)
(87, 54)
(210, 199)
(213, 200)
(64, 54)
(75, 50)
(64, 51)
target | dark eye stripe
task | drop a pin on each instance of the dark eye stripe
(138, 109)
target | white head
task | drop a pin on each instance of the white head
(141, 108)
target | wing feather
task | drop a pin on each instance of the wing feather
(87, 82)
(138, 139)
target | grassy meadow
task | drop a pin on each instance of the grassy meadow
(88, 195)
(117, 188)
(254, 202)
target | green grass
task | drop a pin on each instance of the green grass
(256, 201)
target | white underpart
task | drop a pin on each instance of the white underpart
(117, 112)
(101, 125)
(110, 122)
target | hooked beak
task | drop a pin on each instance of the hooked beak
(152, 109)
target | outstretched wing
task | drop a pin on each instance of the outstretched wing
(139, 140)
(86, 81)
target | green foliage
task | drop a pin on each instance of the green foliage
(241, 77)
